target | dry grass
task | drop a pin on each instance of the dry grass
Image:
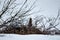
(22, 30)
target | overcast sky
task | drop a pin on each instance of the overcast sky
(50, 7)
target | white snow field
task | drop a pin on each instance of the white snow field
(28, 37)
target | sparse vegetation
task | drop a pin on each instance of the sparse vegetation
(14, 24)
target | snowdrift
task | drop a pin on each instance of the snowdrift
(28, 37)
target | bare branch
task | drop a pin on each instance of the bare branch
(12, 18)
(6, 6)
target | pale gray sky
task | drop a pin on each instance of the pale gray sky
(50, 7)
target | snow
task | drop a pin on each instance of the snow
(28, 37)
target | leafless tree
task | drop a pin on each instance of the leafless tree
(19, 14)
(40, 20)
(53, 22)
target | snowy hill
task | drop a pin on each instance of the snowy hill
(28, 37)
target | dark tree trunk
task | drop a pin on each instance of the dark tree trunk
(30, 22)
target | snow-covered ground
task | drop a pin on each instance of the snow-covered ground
(28, 37)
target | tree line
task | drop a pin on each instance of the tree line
(18, 12)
